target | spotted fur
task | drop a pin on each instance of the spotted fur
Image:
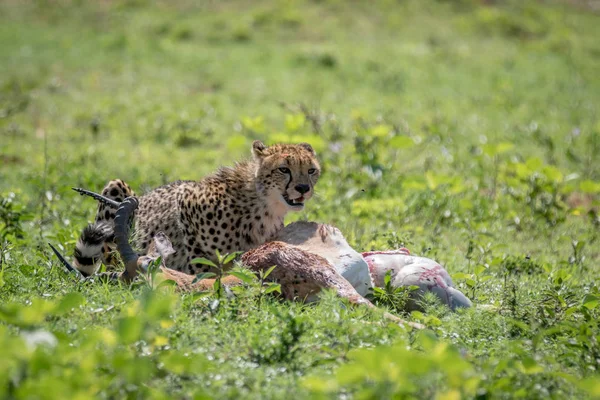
(235, 209)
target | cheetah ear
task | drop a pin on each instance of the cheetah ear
(308, 147)
(258, 149)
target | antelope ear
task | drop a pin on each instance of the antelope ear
(258, 149)
(163, 245)
(308, 147)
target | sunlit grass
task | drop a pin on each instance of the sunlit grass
(467, 132)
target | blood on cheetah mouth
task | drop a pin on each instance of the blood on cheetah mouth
(299, 202)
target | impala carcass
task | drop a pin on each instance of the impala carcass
(368, 269)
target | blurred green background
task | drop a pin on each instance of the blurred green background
(400, 98)
(467, 130)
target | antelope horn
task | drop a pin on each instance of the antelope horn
(99, 197)
(122, 220)
(64, 261)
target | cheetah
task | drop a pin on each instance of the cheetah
(235, 209)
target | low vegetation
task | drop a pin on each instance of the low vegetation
(467, 131)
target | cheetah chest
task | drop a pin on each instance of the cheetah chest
(226, 223)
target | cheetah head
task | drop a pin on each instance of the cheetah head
(286, 173)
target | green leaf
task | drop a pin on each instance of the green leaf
(492, 150)
(521, 170)
(129, 329)
(176, 363)
(231, 256)
(205, 261)
(134, 370)
(245, 275)
(489, 150)
(158, 305)
(273, 287)
(479, 269)
(201, 396)
(203, 275)
(553, 173)
(530, 366)
(256, 124)
(380, 130)
(199, 295)
(501, 366)
(26, 316)
(591, 301)
(589, 187)
(432, 183)
(401, 142)
(504, 147)
(387, 278)
(578, 245)
(534, 163)
(460, 276)
(416, 184)
(418, 315)
(592, 386)
(320, 384)
(217, 287)
(69, 302)
(179, 364)
(268, 272)
(451, 394)
(571, 310)
(294, 122)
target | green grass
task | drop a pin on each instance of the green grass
(468, 132)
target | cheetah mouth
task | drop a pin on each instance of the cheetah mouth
(294, 203)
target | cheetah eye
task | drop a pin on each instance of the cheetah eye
(312, 171)
(285, 170)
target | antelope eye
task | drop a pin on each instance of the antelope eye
(285, 170)
(312, 171)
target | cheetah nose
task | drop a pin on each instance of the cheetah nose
(302, 189)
